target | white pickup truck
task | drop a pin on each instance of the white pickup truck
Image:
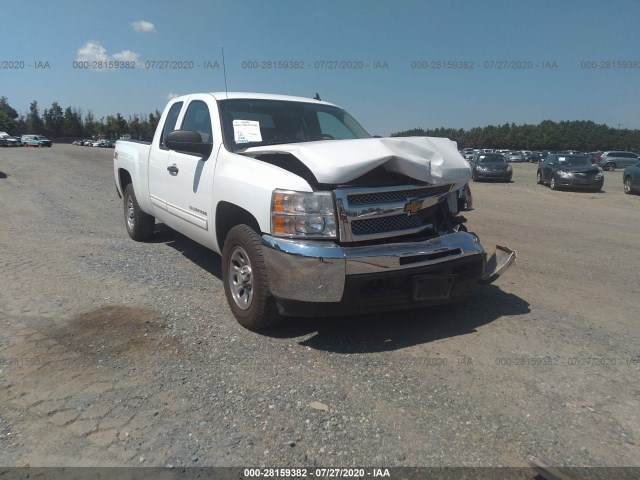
(312, 215)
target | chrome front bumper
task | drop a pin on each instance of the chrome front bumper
(315, 271)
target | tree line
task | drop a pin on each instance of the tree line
(56, 122)
(582, 135)
(585, 136)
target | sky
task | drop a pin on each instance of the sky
(394, 65)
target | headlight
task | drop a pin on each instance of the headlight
(482, 169)
(509, 168)
(599, 175)
(564, 174)
(299, 214)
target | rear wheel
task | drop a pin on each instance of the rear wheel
(245, 280)
(140, 225)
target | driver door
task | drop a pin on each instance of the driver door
(184, 181)
(190, 176)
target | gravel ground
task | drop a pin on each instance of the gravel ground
(122, 353)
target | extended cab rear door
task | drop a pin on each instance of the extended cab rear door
(181, 184)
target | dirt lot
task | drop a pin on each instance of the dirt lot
(120, 353)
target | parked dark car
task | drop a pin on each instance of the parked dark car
(611, 160)
(7, 140)
(570, 170)
(631, 179)
(537, 157)
(490, 166)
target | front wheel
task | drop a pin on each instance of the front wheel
(244, 275)
(609, 167)
(139, 224)
(553, 184)
(539, 178)
(627, 186)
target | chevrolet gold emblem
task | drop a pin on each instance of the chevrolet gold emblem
(413, 206)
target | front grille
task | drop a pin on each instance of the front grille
(589, 175)
(374, 213)
(393, 223)
(395, 196)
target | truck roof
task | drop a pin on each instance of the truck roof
(265, 96)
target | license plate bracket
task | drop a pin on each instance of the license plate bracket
(432, 287)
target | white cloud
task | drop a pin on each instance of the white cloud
(94, 52)
(171, 95)
(143, 26)
(126, 56)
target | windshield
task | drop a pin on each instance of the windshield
(495, 158)
(574, 161)
(253, 123)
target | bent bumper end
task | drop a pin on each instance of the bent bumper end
(497, 264)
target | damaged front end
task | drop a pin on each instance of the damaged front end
(396, 247)
(400, 241)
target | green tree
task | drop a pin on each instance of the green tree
(54, 120)
(34, 123)
(6, 124)
(90, 126)
(72, 123)
(8, 117)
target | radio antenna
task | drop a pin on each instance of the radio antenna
(224, 71)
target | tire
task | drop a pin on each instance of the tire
(628, 189)
(140, 225)
(539, 178)
(244, 276)
(474, 177)
(609, 166)
(552, 184)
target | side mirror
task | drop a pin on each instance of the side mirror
(188, 141)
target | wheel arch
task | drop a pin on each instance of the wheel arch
(124, 179)
(228, 215)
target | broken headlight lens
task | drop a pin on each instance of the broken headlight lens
(302, 214)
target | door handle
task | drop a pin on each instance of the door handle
(173, 169)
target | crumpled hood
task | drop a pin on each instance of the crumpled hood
(429, 159)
